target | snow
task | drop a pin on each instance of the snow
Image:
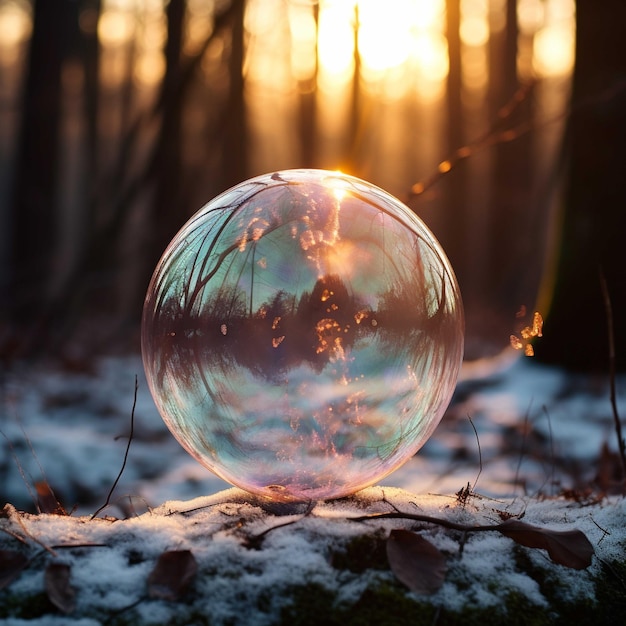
(214, 527)
(540, 432)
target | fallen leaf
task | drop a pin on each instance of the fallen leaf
(12, 563)
(172, 575)
(58, 588)
(47, 501)
(570, 548)
(415, 561)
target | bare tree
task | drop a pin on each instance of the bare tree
(234, 138)
(167, 166)
(594, 220)
(36, 183)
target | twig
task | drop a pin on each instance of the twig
(130, 438)
(480, 455)
(14, 515)
(14, 535)
(605, 532)
(523, 448)
(43, 473)
(553, 468)
(428, 519)
(72, 546)
(549, 477)
(611, 336)
(494, 135)
(254, 541)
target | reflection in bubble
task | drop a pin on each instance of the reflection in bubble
(302, 335)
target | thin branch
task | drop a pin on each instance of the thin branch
(553, 468)
(72, 546)
(611, 333)
(14, 535)
(254, 541)
(130, 438)
(495, 135)
(14, 515)
(523, 447)
(480, 455)
(428, 519)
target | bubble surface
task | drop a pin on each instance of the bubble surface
(302, 335)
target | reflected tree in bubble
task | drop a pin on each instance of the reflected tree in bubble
(302, 335)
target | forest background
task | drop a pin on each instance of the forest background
(502, 123)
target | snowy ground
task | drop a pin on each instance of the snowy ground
(541, 434)
(231, 581)
(540, 431)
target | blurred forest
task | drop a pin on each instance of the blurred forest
(502, 123)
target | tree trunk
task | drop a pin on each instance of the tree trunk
(169, 213)
(594, 220)
(234, 138)
(455, 240)
(308, 108)
(35, 190)
(511, 177)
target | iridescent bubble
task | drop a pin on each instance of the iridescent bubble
(302, 335)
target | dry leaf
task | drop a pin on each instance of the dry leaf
(58, 588)
(570, 548)
(12, 563)
(416, 562)
(47, 501)
(172, 575)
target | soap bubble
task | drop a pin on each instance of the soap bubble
(302, 335)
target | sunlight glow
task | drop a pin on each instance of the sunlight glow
(116, 27)
(151, 38)
(15, 24)
(559, 11)
(554, 44)
(474, 33)
(385, 31)
(338, 185)
(475, 30)
(267, 57)
(475, 67)
(153, 32)
(530, 15)
(554, 50)
(431, 54)
(149, 68)
(400, 44)
(335, 40)
(429, 14)
(303, 32)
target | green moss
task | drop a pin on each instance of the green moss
(610, 607)
(516, 610)
(362, 553)
(562, 610)
(385, 602)
(385, 605)
(391, 604)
